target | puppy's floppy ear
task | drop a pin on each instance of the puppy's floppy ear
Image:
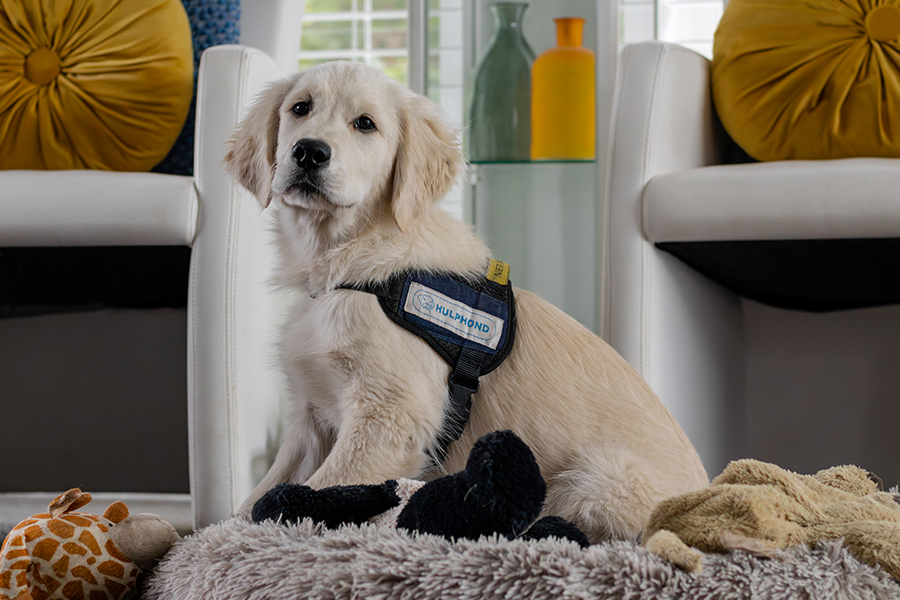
(429, 160)
(251, 150)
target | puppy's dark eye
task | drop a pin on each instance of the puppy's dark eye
(364, 123)
(300, 109)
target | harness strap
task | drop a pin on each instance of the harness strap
(463, 383)
(469, 355)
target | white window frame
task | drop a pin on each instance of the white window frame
(364, 17)
(691, 23)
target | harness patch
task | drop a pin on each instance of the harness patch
(470, 324)
(455, 317)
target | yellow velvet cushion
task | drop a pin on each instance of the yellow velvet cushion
(809, 79)
(92, 84)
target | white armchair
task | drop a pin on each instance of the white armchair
(232, 393)
(765, 232)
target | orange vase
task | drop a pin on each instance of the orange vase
(562, 97)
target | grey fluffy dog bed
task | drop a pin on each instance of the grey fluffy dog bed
(238, 559)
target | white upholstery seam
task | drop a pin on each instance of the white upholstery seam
(193, 213)
(231, 268)
(192, 359)
(192, 322)
(606, 323)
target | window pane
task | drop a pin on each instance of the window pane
(389, 34)
(389, 4)
(434, 77)
(369, 31)
(320, 6)
(307, 63)
(327, 35)
(394, 66)
(434, 32)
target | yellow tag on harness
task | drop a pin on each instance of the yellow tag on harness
(498, 272)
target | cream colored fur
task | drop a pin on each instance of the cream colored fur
(368, 396)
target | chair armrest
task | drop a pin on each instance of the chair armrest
(681, 331)
(232, 391)
(85, 207)
(663, 121)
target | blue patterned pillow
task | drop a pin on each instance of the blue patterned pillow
(213, 22)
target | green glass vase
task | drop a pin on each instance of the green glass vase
(500, 104)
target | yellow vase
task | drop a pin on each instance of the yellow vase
(562, 97)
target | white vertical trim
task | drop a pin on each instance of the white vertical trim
(690, 23)
(656, 24)
(273, 27)
(470, 53)
(367, 32)
(417, 43)
(606, 65)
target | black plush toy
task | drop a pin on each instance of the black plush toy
(500, 491)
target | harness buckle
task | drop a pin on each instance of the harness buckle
(461, 394)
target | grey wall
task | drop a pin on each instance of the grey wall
(824, 389)
(96, 400)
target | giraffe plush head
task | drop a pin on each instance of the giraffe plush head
(73, 555)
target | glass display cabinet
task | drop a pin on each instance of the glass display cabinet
(544, 217)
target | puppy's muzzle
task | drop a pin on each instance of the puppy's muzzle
(311, 155)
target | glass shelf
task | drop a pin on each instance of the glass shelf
(541, 217)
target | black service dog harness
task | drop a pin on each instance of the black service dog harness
(471, 324)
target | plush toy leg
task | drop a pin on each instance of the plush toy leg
(332, 506)
(500, 491)
(556, 527)
(669, 546)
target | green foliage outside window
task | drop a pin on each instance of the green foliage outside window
(327, 35)
(389, 34)
(320, 6)
(396, 67)
(338, 30)
(389, 4)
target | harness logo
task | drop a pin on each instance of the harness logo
(454, 316)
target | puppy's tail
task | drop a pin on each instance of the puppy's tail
(606, 493)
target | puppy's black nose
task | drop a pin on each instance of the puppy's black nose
(311, 154)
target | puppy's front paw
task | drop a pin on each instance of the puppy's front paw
(332, 506)
(245, 512)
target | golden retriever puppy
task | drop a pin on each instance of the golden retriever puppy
(351, 166)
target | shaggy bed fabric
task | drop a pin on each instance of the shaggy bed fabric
(238, 559)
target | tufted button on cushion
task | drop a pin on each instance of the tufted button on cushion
(41, 66)
(809, 79)
(883, 23)
(92, 84)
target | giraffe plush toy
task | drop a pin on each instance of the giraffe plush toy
(68, 555)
